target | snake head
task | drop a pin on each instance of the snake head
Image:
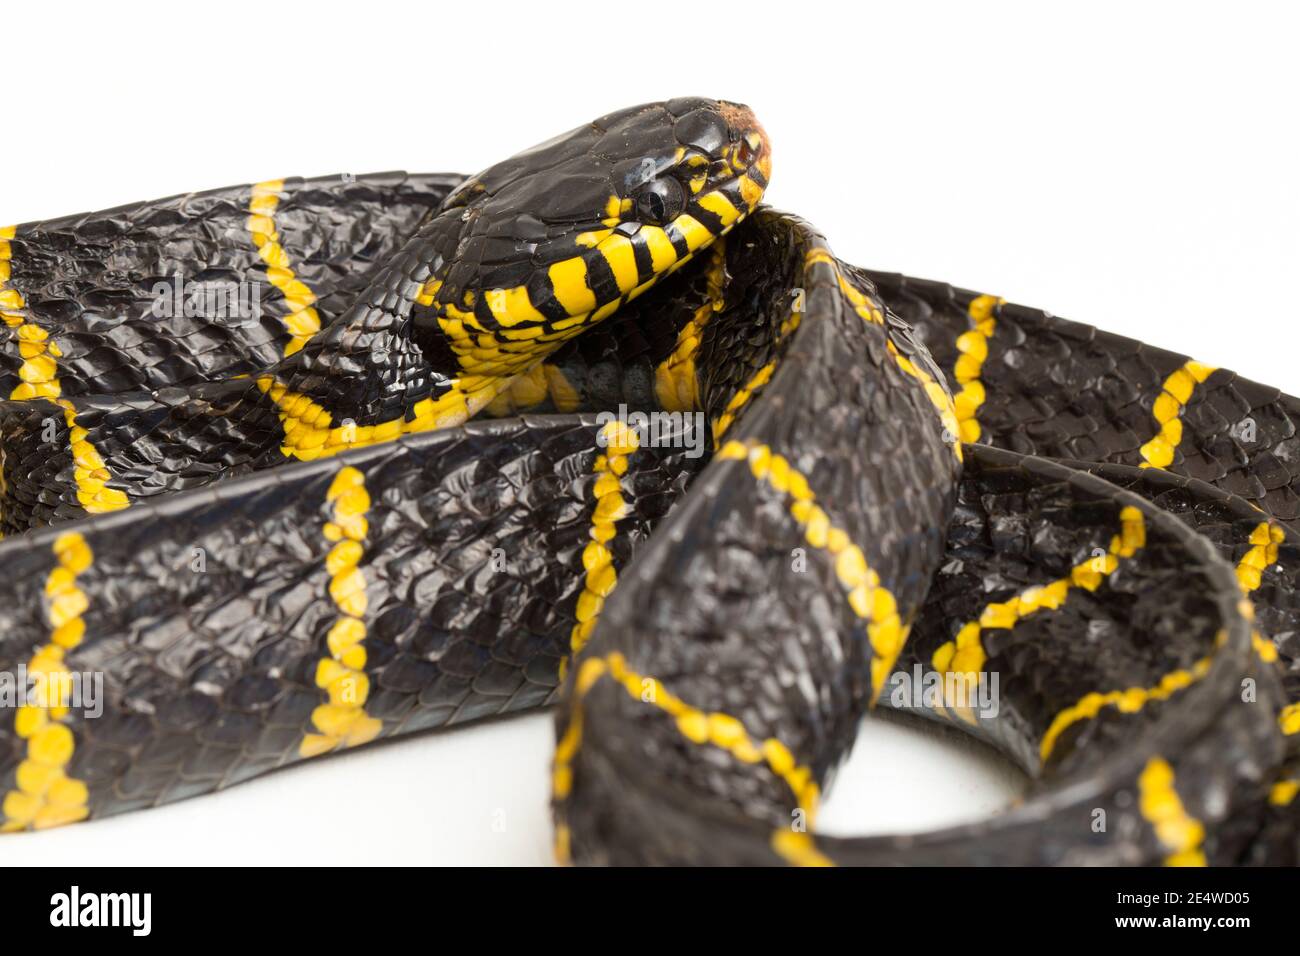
(558, 237)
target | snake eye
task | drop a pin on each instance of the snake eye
(745, 154)
(660, 200)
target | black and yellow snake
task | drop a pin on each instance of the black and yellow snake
(390, 497)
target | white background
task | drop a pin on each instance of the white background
(1135, 168)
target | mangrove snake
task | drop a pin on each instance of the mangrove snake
(392, 497)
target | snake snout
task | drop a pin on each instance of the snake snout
(754, 147)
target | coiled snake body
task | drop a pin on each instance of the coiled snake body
(392, 497)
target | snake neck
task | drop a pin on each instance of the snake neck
(376, 358)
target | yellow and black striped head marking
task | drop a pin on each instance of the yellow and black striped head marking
(561, 235)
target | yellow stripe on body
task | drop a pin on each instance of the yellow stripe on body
(39, 375)
(1179, 832)
(309, 432)
(46, 795)
(743, 396)
(871, 314)
(868, 599)
(39, 372)
(1289, 719)
(676, 384)
(621, 443)
(756, 381)
(89, 470)
(1128, 701)
(302, 321)
(1168, 409)
(699, 727)
(974, 348)
(965, 656)
(1264, 540)
(343, 721)
(1283, 792)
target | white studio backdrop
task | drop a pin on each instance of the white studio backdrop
(1131, 166)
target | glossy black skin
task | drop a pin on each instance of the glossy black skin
(90, 277)
(201, 418)
(644, 795)
(210, 675)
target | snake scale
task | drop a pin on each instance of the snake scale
(409, 488)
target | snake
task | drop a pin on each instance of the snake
(291, 467)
